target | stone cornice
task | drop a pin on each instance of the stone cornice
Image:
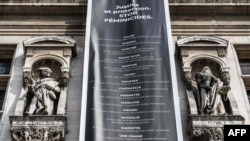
(43, 4)
(42, 9)
(176, 9)
(209, 9)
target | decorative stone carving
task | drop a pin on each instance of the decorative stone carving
(208, 134)
(64, 79)
(38, 134)
(226, 78)
(209, 99)
(188, 80)
(42, 94)
(38, 128)
(210, 128)
(40, 114)
(224, 92)
(27, 79)
(195, 99)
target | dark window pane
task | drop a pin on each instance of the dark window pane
(245, 66)
(5, 65)
(248, 95)
(2, 94)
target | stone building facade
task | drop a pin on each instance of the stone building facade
(40, 34)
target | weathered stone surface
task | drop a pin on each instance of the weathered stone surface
(43, 1)
(39, 128)
(211, 127)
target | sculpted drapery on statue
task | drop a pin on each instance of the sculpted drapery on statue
(209, 94)
(42, 94)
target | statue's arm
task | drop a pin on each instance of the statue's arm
(54, 89)
(57, 89)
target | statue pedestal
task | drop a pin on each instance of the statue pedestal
(38, 128)
(207, 128)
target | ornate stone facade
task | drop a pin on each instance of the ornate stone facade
(210, 128)
(41, 109)
(208, 134)
(207, 81)
(38, 128)
(22, 20)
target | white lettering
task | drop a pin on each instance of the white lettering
(243, 131)
(237, 131)
(231, 133)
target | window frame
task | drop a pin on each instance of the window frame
(5, 78)
(241, 51)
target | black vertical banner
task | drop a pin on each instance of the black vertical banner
(129, 86)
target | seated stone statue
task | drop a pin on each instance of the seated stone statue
(208, 97)
(42, 94)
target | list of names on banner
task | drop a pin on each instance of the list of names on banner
(131, 88)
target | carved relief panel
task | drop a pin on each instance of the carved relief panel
(42, 100)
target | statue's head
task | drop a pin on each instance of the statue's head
(44, 71)
(206, 69)
(206, 77)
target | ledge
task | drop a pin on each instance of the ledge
(43, 4)
(209, 4)
(43, 1)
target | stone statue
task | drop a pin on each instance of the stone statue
(42, 94)
(208, 98)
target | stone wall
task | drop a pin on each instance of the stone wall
(23, 19)
(42, 1)
(226, 20)
(20, 22)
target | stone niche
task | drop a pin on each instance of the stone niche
(207, 78)
(40, 113)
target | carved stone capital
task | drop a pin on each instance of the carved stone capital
(27, 78)
(225, 69)
(188, 80)
(187, 69)
(39, 128)
(226, 78)
(65, 78)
